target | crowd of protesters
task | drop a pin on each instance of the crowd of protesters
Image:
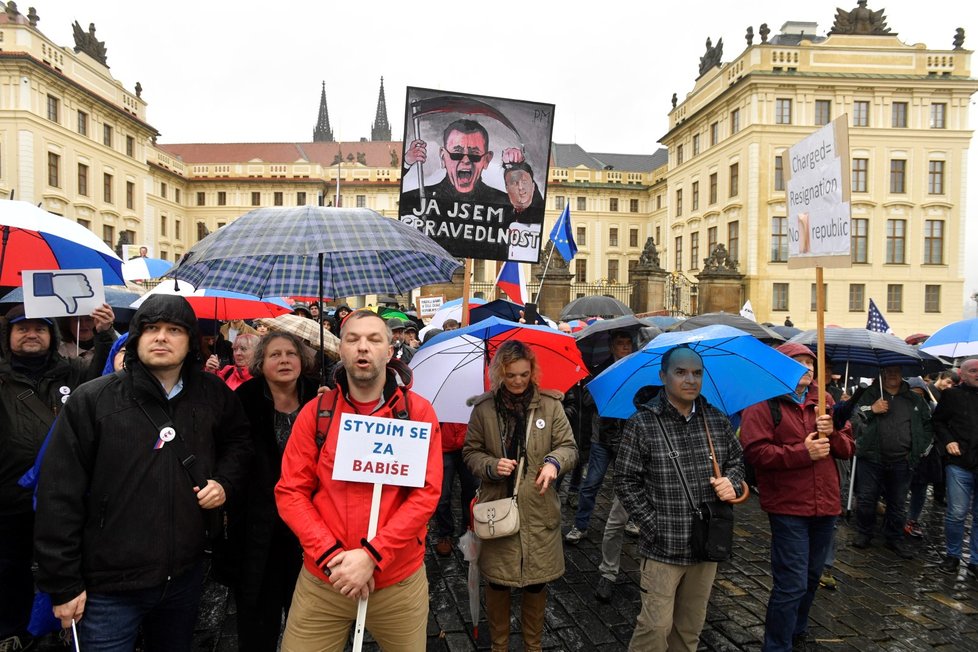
(153, 449)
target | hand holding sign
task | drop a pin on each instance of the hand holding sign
(66, 286)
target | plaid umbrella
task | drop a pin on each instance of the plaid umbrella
(311, 250)
(306, 330)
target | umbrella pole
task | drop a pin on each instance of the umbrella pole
(820, 359)
(466, 288)
(417, 136)
(6, 237)
(322, 344)
(371, 533)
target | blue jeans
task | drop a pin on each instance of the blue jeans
(597, 467)
(799, 545)
(962, 493)
(167, 614)
(454, 465)
(892, 481)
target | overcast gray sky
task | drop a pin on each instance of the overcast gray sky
(250, 70)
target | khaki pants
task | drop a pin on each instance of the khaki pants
(674, 602)
(320, 617)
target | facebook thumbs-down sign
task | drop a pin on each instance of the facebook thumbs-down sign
(62, 292)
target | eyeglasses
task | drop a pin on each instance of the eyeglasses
(458, 156)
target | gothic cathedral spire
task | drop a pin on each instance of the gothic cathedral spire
(381, 129)
(322, 133)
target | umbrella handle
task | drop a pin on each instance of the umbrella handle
(743, 497)
(716, 467)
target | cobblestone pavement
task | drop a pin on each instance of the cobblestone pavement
(882, 602)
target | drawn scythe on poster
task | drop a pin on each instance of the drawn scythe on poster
(453, 104)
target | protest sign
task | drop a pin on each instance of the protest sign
(817, 170)
(381, 450)
(428, 305)
(475, 172)
(62, 292)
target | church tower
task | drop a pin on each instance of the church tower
(322, 133)
(381, 129)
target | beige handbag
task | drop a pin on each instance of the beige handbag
(496, 519)
(499, 518)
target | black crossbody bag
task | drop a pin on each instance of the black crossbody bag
(713, 520)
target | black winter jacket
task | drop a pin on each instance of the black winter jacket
(253, 521)
(956, 419)
(24, 400)
(113, 512)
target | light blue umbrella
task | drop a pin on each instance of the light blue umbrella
(955, 340)
(738, 371)
(142, 268)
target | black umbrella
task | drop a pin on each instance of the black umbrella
(859, 346)
(750, 327)
(595, 306)
(594, 341)
(500, 308)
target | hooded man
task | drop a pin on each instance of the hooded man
(35, 382)
(136, 466)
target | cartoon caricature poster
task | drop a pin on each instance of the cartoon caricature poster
(474, 174)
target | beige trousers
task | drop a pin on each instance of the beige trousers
(320, 617)
(674, 602)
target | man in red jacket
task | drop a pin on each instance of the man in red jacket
(792, 448)
(330, 517)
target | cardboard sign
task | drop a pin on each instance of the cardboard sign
(474, 175)
(429, 305)
(819, 213)
(380, 450)
(62, 292)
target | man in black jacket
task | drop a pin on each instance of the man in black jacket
(956, 430)
(35, 381)
(137, 463)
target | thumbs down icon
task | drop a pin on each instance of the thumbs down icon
(66, 286)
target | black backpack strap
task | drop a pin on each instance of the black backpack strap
(160, 420)
(33, 402)
(775, 406)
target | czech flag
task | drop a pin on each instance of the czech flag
(512, 281)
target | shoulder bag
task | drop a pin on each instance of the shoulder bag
(496, 519)
(713, 520)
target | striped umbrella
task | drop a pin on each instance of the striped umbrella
(31, 238)
(220, 304)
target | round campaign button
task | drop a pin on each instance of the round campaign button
(64, 399)
(167, 434)
(65, 390)
(541, 423)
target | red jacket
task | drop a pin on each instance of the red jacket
(329, 516)
(453, 436)
(788, 480)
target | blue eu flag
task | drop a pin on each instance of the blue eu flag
(563, 237)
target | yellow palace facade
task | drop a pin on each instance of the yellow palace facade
(75, 140)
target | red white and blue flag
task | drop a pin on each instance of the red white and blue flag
(512, 281)
(875, 321)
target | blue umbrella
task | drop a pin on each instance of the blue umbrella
(738, 371)
(315, 251)
(144, 268)
(955, 340)
(500, 308)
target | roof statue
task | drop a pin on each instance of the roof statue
(674, 100)
(381, 128)
(87, 42)
(32, 16)
(719, 260)
(322, 133)
(749, 37)
(711, 59)
(139, 89)
(959, 38)
(650, 256)
(764, 31)
(860, 20)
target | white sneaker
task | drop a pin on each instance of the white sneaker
(631, 529)
(573, 536)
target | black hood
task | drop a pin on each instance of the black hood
(163, 307)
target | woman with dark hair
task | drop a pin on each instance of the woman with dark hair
(266, 556)
(517, 421)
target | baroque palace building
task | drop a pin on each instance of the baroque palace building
(75, 140)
